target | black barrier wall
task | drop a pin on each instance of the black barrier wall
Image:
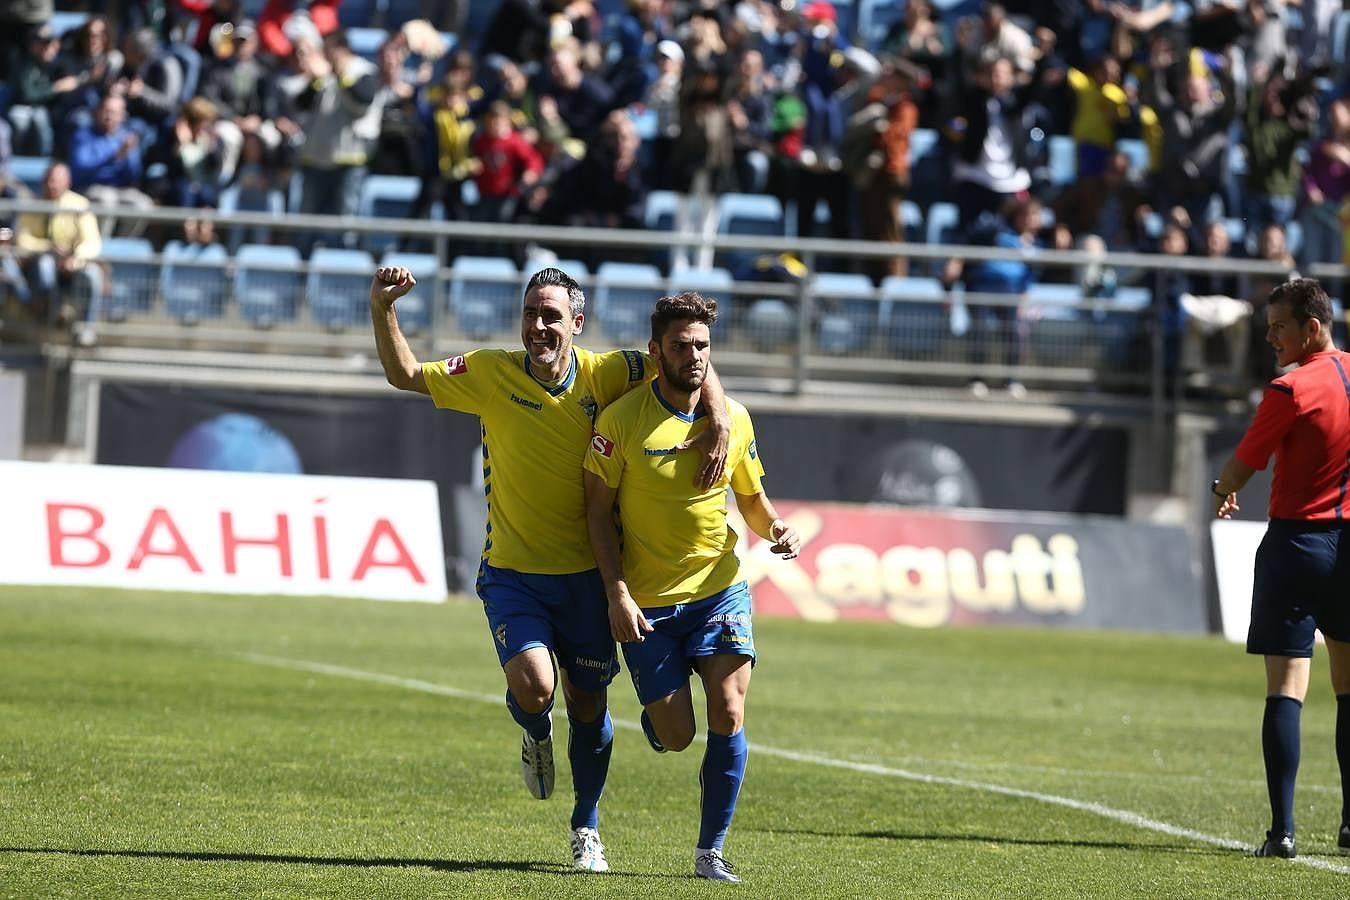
(812, 457)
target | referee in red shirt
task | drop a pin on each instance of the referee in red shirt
(1302, 576)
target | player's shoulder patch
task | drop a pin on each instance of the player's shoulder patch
(637, 364)
(456, 365)
(602, 445)
(754, 449)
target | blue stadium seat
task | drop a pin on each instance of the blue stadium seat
(192, 281)
(63, 21)
(29, 171)
(944, 221)
(338, 287)
(366, 41)
(748, 214)
(848, 315)
(1340, 38)
(191, 63)
(914, 315)
(1063, 159)
(921, 142)
(624, 296)
(386, 197)
(414, 310)
(484, 294)
(715, 283)
(1060, 333)
(233, 200)
(658, 211)
(1138, 153)
(771, 324)
(267, 282)
(1120, 325)
(131, 277)
(1293, 238)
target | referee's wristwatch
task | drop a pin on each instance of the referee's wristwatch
(1214, 489)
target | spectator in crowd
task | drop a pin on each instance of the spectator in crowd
(879, 166)
(607, 187)
(823, 53)
(999, 325)
(989, 145)
(151, 81)
(642, 29)
(925, 41)
(398, 149)
(59, 251)
(84, 72)
(236, 81)
(34, 90)
(202, 160)
(342, 118)
(995, 35)
(1218, 247)
(1105, 205)
(582, 100)
(663, 99)
(1281, 116)
(105, 160)
(1195, 126)
(703, 161)
(212, 24)
(507, 165)
(450, 160)
(749, 107)
(519, 31)
(1101, 109)
(254, 186)
(1326, 188)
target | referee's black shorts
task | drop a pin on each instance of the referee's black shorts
(1301, 583)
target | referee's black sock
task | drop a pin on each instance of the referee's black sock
(1280, 743)
(1343, 752)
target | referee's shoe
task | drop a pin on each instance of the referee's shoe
(1343, 842)
(1281, 845)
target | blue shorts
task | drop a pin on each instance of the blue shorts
(1299, 585)
(567, 614)
(661, 664)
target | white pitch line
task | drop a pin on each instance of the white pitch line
(1123, 816)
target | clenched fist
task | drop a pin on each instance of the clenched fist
(390, 283)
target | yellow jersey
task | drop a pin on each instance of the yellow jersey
(677, 543)
(534, 437)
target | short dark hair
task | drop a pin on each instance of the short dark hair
(552, 276)
(1307, 299)
(691, 305)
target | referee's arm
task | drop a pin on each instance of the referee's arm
(1233, 478)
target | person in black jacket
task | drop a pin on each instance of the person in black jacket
(990, 144)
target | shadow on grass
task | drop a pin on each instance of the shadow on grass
(1188, 849)
(376, 862)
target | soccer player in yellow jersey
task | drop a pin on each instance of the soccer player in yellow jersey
(538, 582)
(677, 600)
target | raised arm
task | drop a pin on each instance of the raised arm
(763, 520)
(626, 621)
(401, 367)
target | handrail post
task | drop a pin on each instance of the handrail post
(801, 367)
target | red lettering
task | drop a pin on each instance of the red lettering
(159, 518)
(230, 542)
(57, 536)
(321, 546)
(384, 528)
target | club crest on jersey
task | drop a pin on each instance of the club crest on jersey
(602, 445)
(754, 449)
(456, 365)
(589, 407)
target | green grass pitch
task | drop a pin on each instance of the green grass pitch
(165, 745)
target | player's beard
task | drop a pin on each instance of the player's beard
(685, 380)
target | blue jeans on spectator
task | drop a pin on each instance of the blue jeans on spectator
(333, 192)
(48, 281)
(1323, 234)
(33, 134)
(1268, 209)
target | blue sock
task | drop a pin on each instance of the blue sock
(588, 747)
(1280, 744)
(1343, 752)
(537, 725)
(721, 776)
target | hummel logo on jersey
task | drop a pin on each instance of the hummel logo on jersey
(456, 365)
(530, 404)
(602, 445)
